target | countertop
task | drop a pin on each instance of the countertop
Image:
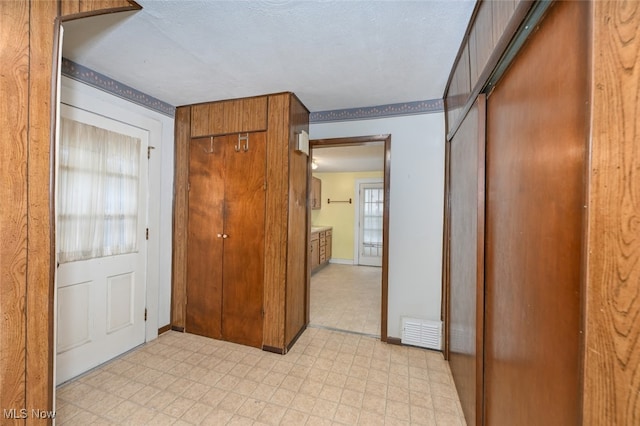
(315, 229)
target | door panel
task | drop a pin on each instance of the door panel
(244, 213)
(466, 292)
(537, 136)
(100, 300)
(204, 260)
(371, 209)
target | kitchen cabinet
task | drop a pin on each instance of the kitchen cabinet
(320, 247)
(316, 193)
(241, 196)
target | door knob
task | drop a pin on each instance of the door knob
(225, 236)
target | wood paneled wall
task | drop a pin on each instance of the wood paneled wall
(492, 27)
(28, 33)
(286, 231)
(612, 343)
(466, 260)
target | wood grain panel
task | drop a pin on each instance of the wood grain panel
(612, 347)
(276, 221)
(459, 89)
(298, 229)
(41, 260)
(502, 13)
(254, 114)
(233, 116)
(180, 215)
(205, 248)
(14, 119)
(244, 223)
(200, 120)
(466, 292)
(536, 151)
(483, 38)
(216, 118)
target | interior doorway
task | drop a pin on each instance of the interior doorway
(343, 275)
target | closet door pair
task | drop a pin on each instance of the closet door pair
(225, 259)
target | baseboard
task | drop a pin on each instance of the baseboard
(394, 341)
(176, 328)
(341, 261)
(164, 329)
(273, 349)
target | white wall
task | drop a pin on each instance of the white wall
(415, 211)
(160, 210)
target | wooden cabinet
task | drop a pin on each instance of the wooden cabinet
(316, 193)
(241, 198)
(320, 247)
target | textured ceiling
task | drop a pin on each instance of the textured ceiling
(332, 54)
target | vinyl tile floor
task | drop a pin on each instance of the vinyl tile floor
(328, 377)
(346, 297)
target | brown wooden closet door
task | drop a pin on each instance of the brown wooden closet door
(244, 213)
(204, 247)
(537, 136)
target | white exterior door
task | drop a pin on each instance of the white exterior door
(101, 296)
(370, 223)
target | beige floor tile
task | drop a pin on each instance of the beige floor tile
(347, 414)
(294, 417)
(272, 414)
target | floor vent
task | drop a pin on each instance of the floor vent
(418, 332)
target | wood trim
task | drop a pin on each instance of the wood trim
(180, 216)
(76, 9)
(164, 329)
(178, 329)
(612, 345)
(296, 337)
(358, 141)
(394, 340)
(446, 255)
(274, 350)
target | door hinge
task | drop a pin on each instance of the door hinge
(147, 233)
(145, 314)
(149, 148)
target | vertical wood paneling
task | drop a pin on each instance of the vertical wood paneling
(233, 116)
(612, 346)
(298, 228)
(39, 301)
(14, 122)
(276, 221)
(481, 41)
(537, 133)
(200, 120)
(466, 310)
(180, 215)
(74, 9)
(216, 118)
(254, 114)
(502, 13)
(69, 7)
(96, 5)
(459, 89)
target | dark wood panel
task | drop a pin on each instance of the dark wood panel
(459, 90)
(180, 215)
(276, 221)
(244, 223)
(536, 150)
(233, 116)
(612, 347)
(254, 114)
(205, 247)
(75, 9)
(501, 15)
(216, 118)
(14, 119)
(298, 229)
(481, 41)
(466, 292)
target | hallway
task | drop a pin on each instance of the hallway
(345, 297)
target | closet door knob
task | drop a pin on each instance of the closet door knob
(225, 236)
(219, 235)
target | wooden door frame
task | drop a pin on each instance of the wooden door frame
(362, 141)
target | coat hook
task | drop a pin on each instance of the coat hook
(244, 138)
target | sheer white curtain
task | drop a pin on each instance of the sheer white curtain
(99, 172)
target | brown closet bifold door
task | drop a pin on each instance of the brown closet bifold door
(244, 216)
(204, 248)
(225, 266)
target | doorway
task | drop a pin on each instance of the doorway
(345, 268)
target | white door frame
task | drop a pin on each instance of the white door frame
(356, 219)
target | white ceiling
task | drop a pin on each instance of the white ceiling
(333, 54)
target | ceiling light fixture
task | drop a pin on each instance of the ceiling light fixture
(314, 165)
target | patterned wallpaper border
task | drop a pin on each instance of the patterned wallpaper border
(391, 110)
(102, 82)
